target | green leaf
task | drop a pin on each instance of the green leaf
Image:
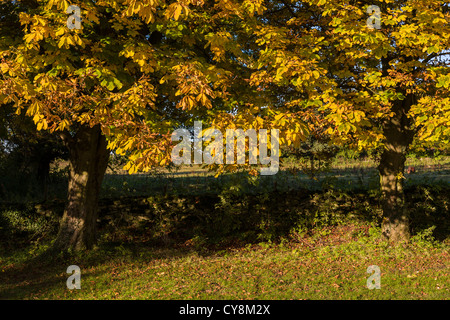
(110, 86)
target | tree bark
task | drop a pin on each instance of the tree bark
(88, 158)
(399, 136)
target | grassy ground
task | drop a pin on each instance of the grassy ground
(330, 263)
(197, 237)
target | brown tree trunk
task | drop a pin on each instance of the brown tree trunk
(399, 136)
(88, 158)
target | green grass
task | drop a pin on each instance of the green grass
(330, 263)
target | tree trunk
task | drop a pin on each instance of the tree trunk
(399, 136)
(88, 158)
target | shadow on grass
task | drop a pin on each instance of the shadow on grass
(20, 281)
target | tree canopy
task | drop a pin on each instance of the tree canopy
(136, 69)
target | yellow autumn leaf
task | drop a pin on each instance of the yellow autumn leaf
(61, 42)
(29, 37)
(177, 12)
(4, 67)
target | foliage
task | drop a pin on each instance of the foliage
(344, 76)
(231, 217)
(138, 69)
(141, 69)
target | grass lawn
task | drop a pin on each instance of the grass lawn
(191, 236)
(328, 263)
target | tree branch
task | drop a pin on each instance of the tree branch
(434, 55)
(289, 8)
